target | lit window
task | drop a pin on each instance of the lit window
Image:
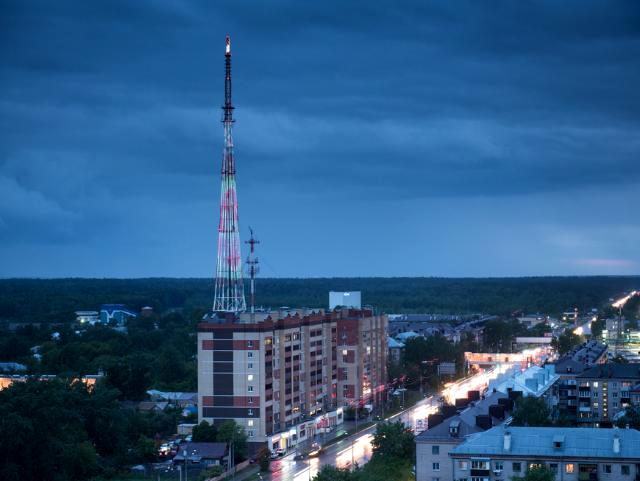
(568, 468)
(463, 465)
(250, 422)
(250, 377)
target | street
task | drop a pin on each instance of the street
(357, 448)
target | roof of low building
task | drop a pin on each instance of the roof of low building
(197, 451)
(534, 441)
(393, 344)
(403, 336)
(441, 432)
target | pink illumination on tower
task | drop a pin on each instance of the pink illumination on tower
(229, 290)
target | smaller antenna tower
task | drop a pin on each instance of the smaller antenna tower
(254, 269)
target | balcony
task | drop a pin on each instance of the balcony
(584, 394)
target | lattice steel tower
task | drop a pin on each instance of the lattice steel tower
(229, 291)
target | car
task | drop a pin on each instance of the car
(315, 450)
(188, 438)
(278, 453)
(299, 456)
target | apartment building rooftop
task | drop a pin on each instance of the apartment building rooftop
(612, 370)
(553, 442)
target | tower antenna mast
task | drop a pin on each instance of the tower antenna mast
(254, 269)
(229, 289)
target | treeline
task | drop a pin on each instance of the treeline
(56, 300)
(155, 352)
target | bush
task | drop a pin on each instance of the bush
(211, 472)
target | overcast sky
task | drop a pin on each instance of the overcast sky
(447, 138)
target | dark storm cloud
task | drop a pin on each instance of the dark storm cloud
(111, 141)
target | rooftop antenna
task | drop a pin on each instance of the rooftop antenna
(254, 269)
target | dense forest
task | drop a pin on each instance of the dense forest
(55, 300)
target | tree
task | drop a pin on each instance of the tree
(537, 473)
(211, 472)
(631, 417)
(393, 440)
(530, 411)
(205, 433)
(229, 431)
(146, 449)
(566, 342)
(264, 458)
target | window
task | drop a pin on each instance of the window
(435, 449)
(250, 422)
(477, 464)
(250, 400)
(249, 343)
(499, 465)
(553, 467)
(516, 467)
(249, 388)
(435, 478)
(607, 468)
(463, 465)
(436, 466)
(249, 365)
(251, 433)
(250, 412)
(595, 384)
(625, 469)
(250, 377)
(568, 468)
(249, 354)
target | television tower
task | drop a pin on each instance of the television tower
(229, 291)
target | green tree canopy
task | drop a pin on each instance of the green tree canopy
(566, 342)
(631, 417)
(393, 440)
(230, 431)
(205, 433)
(531, 411)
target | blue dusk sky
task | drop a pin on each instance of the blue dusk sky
(440, 138)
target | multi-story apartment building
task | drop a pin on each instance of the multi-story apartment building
(567, 368)
(580, 454)
(284, 375)
(434, 445)
(604, 391)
